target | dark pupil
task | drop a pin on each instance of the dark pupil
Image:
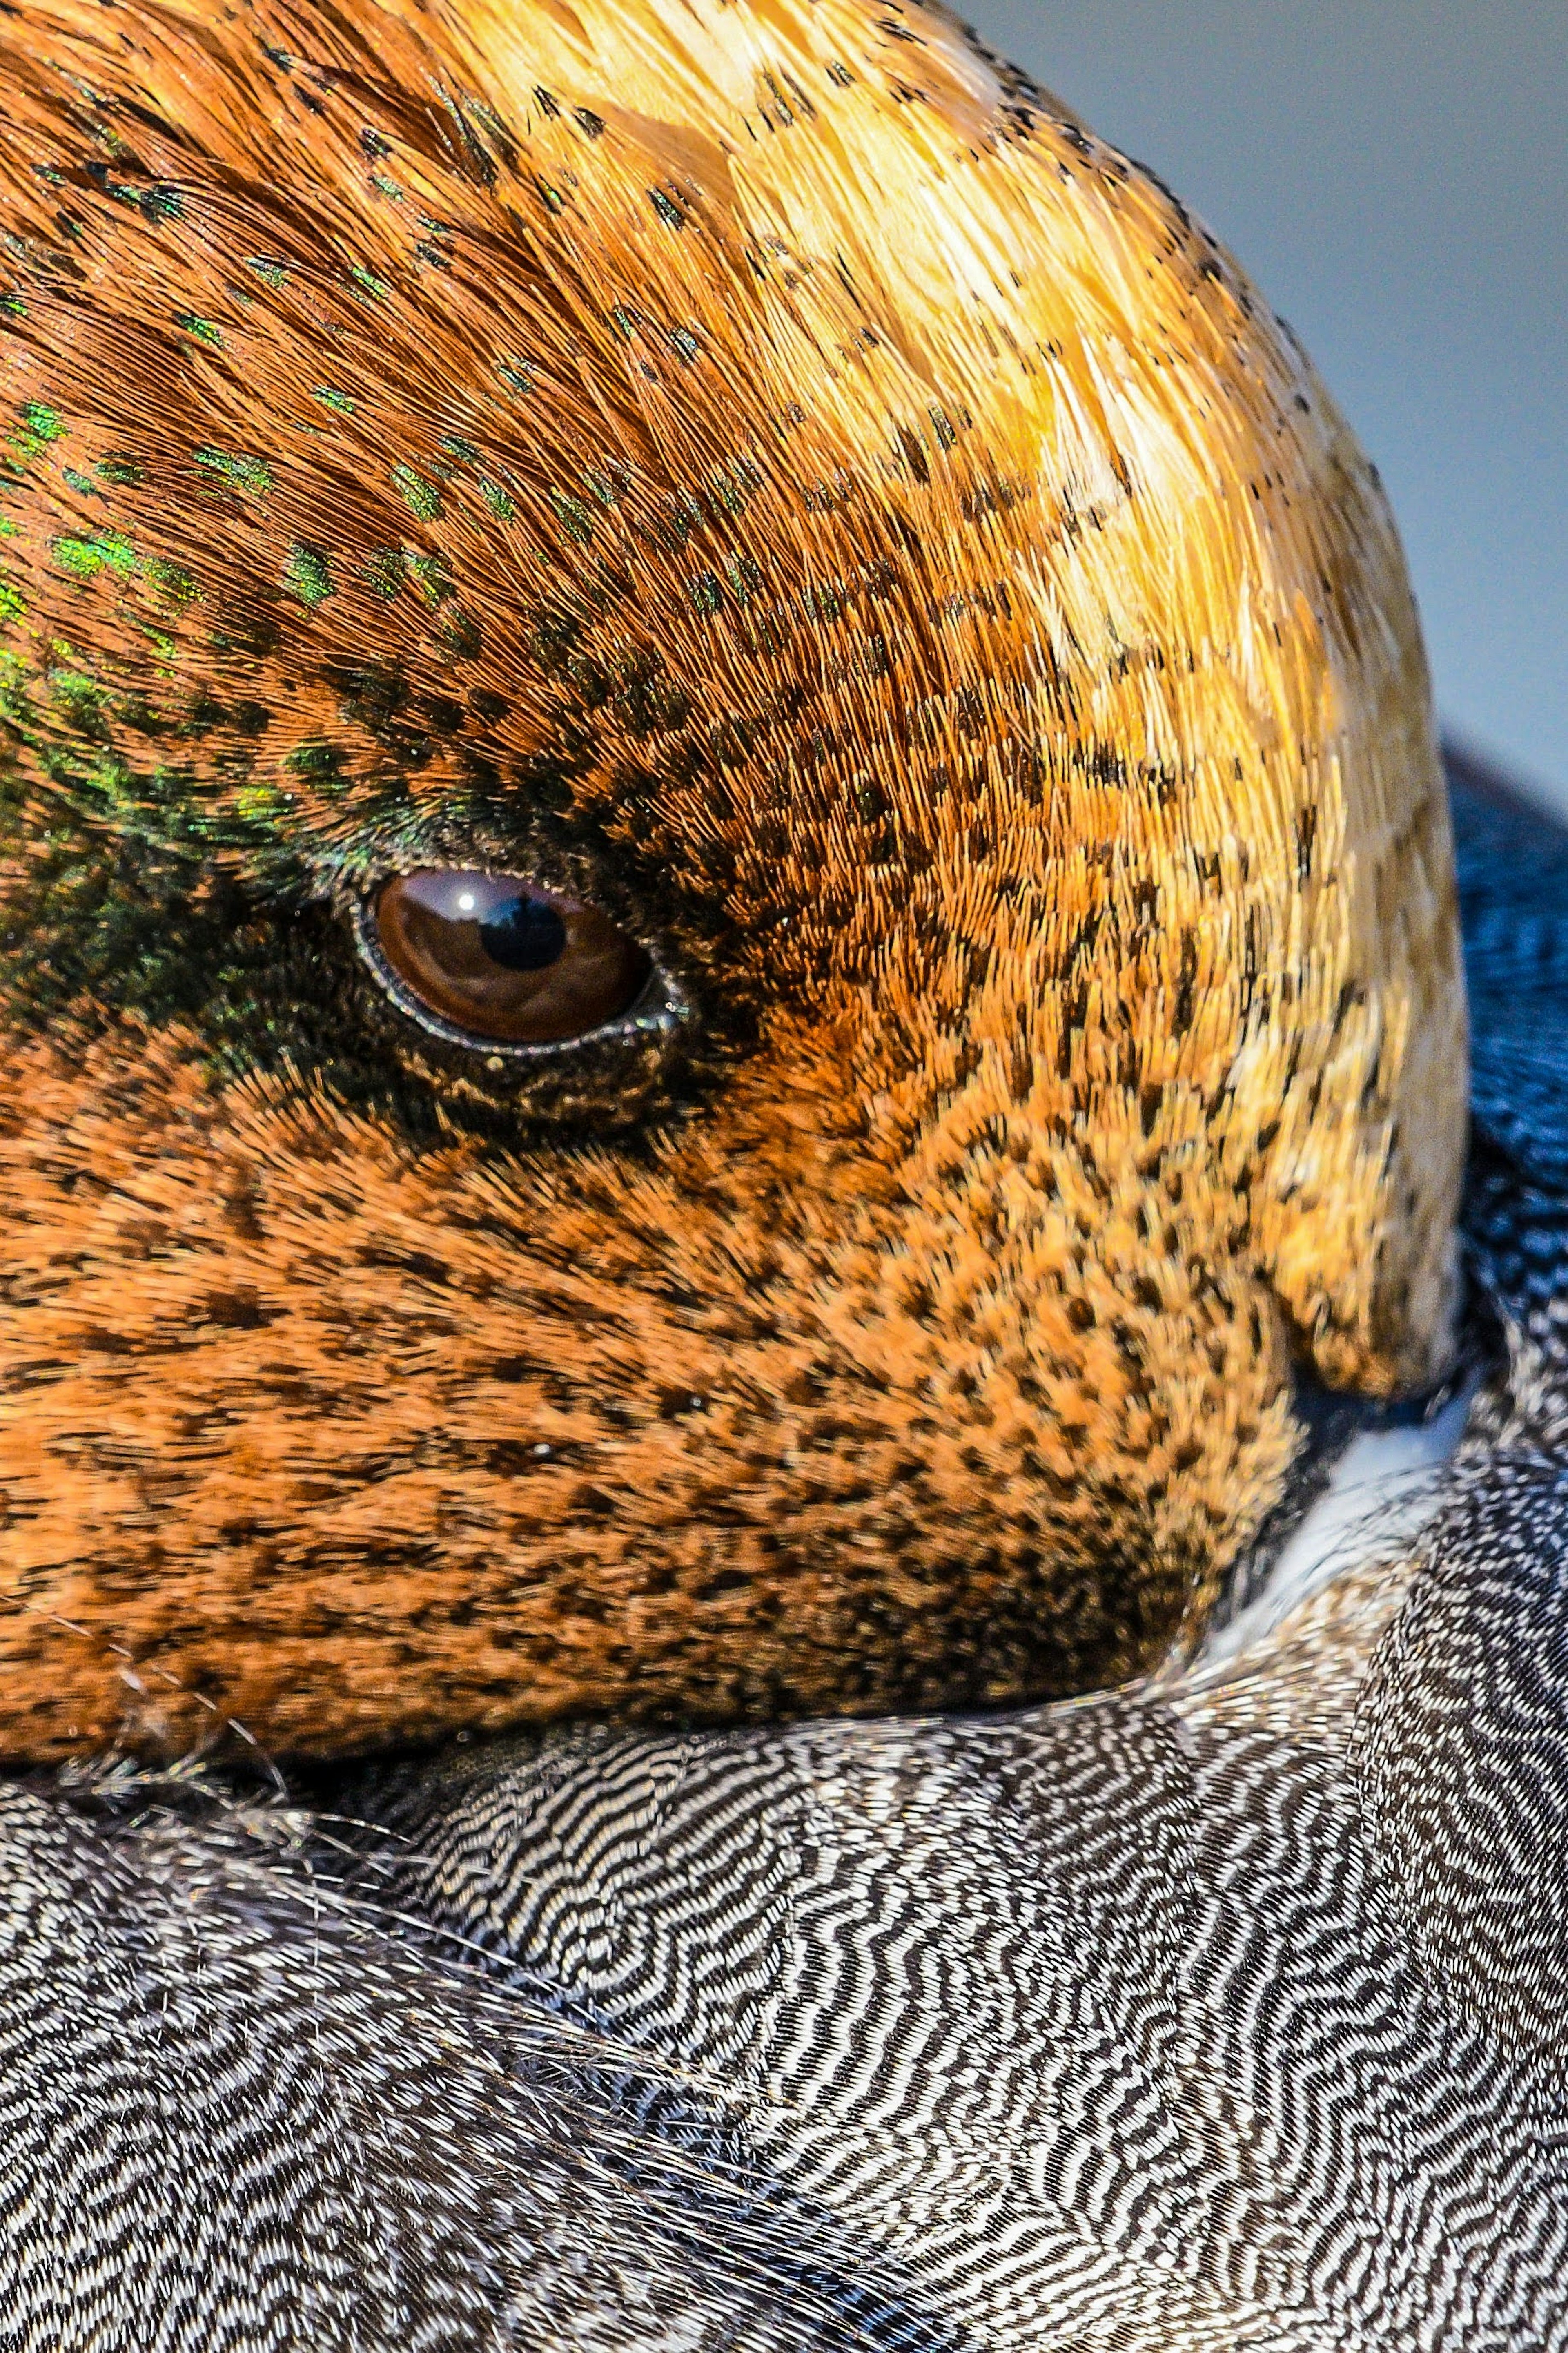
(524, 934)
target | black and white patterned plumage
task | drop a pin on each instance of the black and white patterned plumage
(1223, 2012)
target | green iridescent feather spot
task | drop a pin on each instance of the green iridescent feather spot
(307, 575)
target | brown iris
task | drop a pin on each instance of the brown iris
(498, 956)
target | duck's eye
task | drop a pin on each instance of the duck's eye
(501, 959)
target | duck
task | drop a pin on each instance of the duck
(728, 942)
(734, 1134)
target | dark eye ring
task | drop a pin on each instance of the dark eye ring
(496, 961)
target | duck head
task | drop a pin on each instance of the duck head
(727, 921)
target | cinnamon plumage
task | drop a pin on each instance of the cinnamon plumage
(959, 989)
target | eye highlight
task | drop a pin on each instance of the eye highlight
(501, 960)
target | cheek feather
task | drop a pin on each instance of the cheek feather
(448, 1442)
(961, 1006)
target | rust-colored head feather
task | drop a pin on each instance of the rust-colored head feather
(766, 472)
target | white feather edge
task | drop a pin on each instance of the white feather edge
(1381, 1493)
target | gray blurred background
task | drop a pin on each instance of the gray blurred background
(1395, 174)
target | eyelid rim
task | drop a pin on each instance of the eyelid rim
(659, 1010)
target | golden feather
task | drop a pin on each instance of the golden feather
(768, 469)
